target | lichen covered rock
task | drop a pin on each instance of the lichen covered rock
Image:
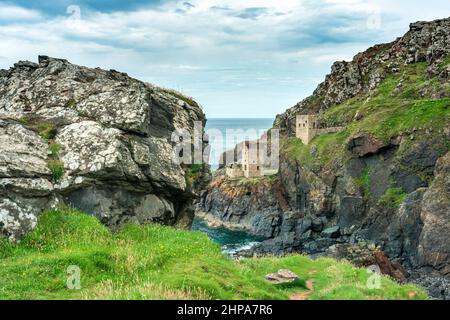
(94, 139)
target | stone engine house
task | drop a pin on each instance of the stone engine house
(307, 126)
(250, 165)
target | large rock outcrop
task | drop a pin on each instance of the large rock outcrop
(93, 139)
(252, 204)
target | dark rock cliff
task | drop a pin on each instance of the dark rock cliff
(253, 204)
(93, 139)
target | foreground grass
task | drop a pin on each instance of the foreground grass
(155, 262)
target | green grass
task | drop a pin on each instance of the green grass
(71, 103)
(190, 101)
(156, 262)
(193, 174)
(392, 198)
(47, 130)
(363, 183)
(324, 150)
(55, 149)
(57, 169)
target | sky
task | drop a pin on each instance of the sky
(237, 58)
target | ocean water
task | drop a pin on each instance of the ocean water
(238, 130)
(231, 241)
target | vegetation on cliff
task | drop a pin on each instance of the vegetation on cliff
(156, 262)
(401, 105)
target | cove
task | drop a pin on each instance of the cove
(232, 241)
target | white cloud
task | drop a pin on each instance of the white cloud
(10, 12)
(282, 48)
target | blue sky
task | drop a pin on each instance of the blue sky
(237, 58)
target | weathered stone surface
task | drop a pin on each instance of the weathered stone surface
(434, 248)
(363, 145)
(23, 153)
(110, 133)
(281, 277)
(332, 232)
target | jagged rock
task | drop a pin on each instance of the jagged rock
(111, 141)
(254, 207)
(317, 225)
(332, 232)
(388, 267)
(364, 145)
(433, 249)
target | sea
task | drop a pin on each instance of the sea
(231, 241)
(224, 134)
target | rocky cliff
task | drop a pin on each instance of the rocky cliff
(252, 204)
(383, 179)
(93, 139)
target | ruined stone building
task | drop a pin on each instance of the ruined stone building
(249, 164)
(307, 126)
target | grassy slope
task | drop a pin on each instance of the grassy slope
(155, 262)
(390, 110)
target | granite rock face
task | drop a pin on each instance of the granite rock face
(94, 139)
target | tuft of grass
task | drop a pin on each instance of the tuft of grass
(55, 149)
(47, 130)
(157, 262)
(190, 101)
(71, 103)
(445, 62)
(193, 174)
(392, 198)
(363, 183)
(57, 169)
